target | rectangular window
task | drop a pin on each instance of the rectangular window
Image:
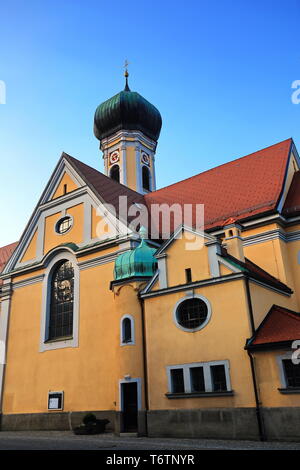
(55, 400)
(177, 382)
(201, 377)
(188, 275)
(218, 378)
(291, 373)
(197, 379)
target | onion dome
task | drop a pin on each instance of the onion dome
(139, 262)
(127, 110)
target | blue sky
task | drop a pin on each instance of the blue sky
(220, 73)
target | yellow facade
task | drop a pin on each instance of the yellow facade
(167, 333)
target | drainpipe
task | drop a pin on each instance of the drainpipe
(146, 394)
(261, 429)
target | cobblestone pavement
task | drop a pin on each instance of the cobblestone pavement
(66, 440)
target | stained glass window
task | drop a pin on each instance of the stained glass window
(62, 301)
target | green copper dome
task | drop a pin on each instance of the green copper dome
(139, 262)
(127, 110)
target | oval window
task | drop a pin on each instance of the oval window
(63, 225)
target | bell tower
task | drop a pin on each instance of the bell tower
(128, 128)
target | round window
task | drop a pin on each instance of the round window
(191, 314)
(63, 225)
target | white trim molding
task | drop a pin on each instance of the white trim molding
(45, 344)
(162, 270)
(208, 382)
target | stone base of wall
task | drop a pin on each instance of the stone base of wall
(220, 423)
(281, 424)
(52, 421)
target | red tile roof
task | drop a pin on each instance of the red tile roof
(5, 254)
(292, 202)
(242, 188)
(107, 189)
(279, 325)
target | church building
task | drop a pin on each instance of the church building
(115, 302)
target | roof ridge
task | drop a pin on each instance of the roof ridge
(219, 166)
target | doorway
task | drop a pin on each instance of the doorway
(129, 394)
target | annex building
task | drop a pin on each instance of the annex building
(102, 313)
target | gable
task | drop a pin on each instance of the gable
(65, 185)
(179, 258)
(30, 252)
(91, 222)
(187, 249)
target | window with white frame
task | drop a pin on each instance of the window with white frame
(201, 377)
(127, 330)
(289, 372)
(60, 302)
(192, 313)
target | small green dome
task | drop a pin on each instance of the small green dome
(127, 110)
(139, 262)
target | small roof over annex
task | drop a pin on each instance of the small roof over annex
(279, 328)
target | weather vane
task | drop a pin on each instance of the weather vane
(126, 68)
(126, 75)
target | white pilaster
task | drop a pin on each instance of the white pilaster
(162, 270)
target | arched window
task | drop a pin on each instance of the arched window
(115, 173)
(146, 178)
(127, 330)
(62, 301)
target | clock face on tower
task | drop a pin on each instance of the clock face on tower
(145, 159)
(113, 158)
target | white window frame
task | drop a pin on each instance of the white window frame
(188, 297)
(287, 355)
(45, 344)
(206, 372)
(122, 343)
